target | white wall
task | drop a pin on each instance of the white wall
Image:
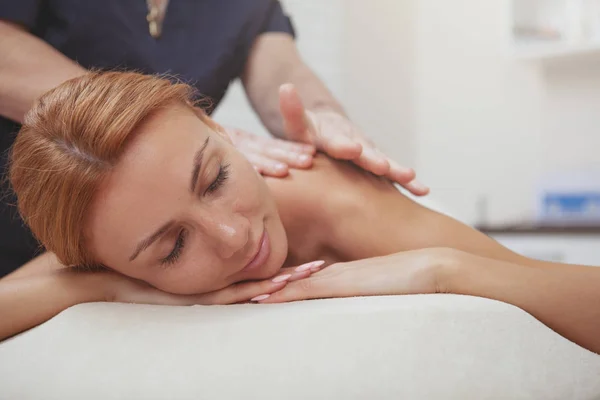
(436, 85)
(571, 114)
(378, 72)
(478, 110)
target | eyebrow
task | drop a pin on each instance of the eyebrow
(197, 163)
(144, 244)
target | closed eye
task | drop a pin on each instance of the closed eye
(177, 249)
(219, 180)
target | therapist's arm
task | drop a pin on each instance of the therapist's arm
(273, 61)
(305, 111)
(28, 68)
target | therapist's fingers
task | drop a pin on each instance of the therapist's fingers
(262, 144)
(267, 166)
(296, 124)
(373, 161)
(292, 158)
(337, 144)
(416, 188)
(400, 174)
(406, 178)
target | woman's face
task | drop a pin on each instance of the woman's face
(184, 211)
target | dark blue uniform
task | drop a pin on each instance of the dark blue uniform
(204, 42)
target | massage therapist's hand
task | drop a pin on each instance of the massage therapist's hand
(271, 157)
(333, 134)
(121, 289)
(412, 272)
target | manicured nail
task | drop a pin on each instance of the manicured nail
(418, 186)
(303, 158)
(261, 297)
(310, 265)
(281, 278)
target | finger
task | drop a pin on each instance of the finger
(339, 145)
(304, 289)
(296, 125)
(416, 188)
(305, 270)
(260, 143)
(244, 291)
(373, 161)
(300, 273)
(399, 174)
(295, 147)
(292, 159)
(267, 166)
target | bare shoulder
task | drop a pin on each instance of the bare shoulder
(317, 204)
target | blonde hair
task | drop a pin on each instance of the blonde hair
(71, 138)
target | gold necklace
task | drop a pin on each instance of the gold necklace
(156, 15)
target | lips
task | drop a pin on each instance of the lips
(262, 253)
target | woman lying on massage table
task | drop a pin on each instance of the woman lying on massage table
(119, 175)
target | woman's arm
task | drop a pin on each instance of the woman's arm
(564, 297)
(43, 288)
(29, 300)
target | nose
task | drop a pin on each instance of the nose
(228, 233)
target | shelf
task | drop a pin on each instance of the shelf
(555, 50)
(545, 229)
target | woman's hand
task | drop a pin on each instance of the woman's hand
(411, 272)
(121, 289)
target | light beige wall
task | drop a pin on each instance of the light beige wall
(437, 85)
(379, 70)
(477, 110)
(571, 114)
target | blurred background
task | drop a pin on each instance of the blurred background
(495, 103)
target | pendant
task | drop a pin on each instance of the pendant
(154, 22)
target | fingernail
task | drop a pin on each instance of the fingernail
(418, 186)
(280, 166)
(304, 158)
(261, 297)
(281, 278)
(310, 265)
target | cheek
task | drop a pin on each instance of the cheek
(188, 279)
(202, 271)
(247, 189)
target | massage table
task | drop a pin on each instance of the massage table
(391, 347)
